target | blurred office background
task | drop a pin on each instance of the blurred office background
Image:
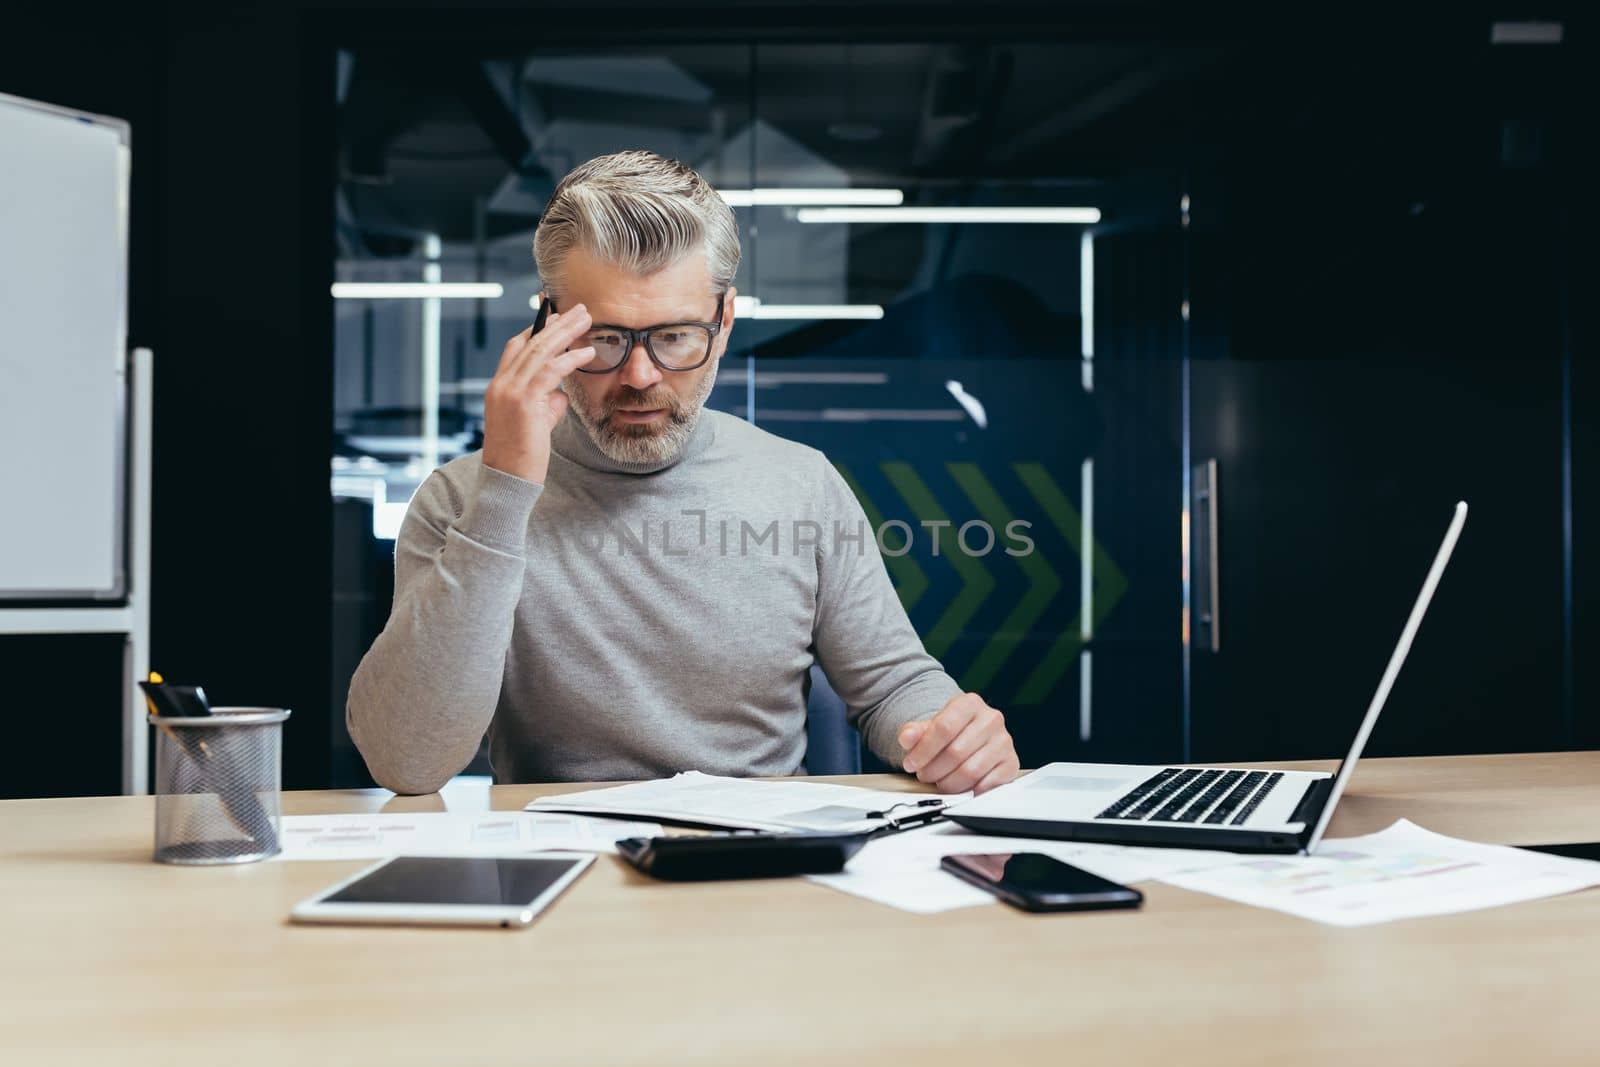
(1284, 292)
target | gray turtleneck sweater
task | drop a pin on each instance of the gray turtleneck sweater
(625, 622)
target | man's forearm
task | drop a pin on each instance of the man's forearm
(427, 689)
(919, 698)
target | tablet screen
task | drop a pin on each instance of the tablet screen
(483, 880)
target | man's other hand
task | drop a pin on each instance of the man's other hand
(965, 746)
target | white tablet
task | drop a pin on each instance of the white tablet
(448, 890)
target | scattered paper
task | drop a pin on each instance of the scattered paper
(745, 803)
(1400, 873)
(902, 870)
(373, 836)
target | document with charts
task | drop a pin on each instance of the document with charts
(378, 834)
(1400, 873)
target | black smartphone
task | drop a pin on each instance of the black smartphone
(1033, 881)
(538, 319)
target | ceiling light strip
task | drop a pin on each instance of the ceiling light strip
(753, 308)
(416, 290)
(1081, 216)
(812, 197)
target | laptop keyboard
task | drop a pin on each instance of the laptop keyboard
(1211, 797)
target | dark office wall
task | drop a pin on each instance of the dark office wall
(243, 427)
(1338, 478)
(230, 262)
(1380, 271)
(1586, 609)
(1582, 677)
(67, 689)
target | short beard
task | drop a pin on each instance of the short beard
(647, 444)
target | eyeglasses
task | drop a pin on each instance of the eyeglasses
(673, 346)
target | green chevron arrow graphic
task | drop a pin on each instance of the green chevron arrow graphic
(976, 581)
(909, 580)
(1109, 583)
(1043, 582)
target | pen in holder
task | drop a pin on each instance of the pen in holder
(218, 778)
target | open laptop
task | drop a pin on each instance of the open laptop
(1192, 807)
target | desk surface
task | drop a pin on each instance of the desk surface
(104, 950)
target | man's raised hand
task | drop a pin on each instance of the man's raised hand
(524, 401)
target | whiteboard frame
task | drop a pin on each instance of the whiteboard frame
(21, 614)
(132, 619)
(118, 590)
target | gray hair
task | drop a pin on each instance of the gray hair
(638, 211)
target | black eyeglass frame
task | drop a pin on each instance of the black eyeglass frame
(635, 336)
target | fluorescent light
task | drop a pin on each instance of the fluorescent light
(751, 307)
(819, 311)
(1086, 308)
(799, 197)
(432, 342)
(861, 415)
(1080, 215)
(416, 290)
(1526, 33)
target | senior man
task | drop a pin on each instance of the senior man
(642, 589)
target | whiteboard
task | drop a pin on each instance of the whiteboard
(63, 338)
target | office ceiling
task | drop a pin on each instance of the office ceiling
(469, 147)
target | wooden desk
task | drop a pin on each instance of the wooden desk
(110, 957)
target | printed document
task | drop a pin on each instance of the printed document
(1399, 873)
(749, 804)
(375, 835)
(902, 870)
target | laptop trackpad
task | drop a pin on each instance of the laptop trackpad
(1074, 783)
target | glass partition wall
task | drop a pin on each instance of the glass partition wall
(957, 283)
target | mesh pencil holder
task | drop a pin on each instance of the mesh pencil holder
(218, 782)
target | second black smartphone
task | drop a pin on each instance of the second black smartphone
(1033, 881)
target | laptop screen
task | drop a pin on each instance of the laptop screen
(1396, 660)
